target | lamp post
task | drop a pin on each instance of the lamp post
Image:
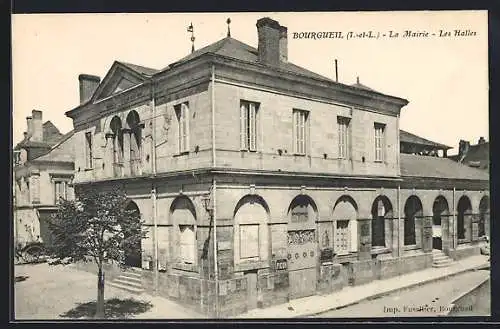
(209, 203)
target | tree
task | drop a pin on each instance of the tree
(97, 227)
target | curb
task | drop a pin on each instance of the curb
(390, 291)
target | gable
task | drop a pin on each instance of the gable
(118, 78)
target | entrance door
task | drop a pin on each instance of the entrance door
(302, 263)
(251, 289)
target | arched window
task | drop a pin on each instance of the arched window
(413, 209)
(464, 220)
(133, 122)
(183, 216)
(345, 214)
(381, 216)
(484, 215)
(250, 229)
(116, 128)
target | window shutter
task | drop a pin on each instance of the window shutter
(252, 127)
(295, 130)
(243, 127)
(186, 127)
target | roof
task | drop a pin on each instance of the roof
(427, 166)
(51, 136)
(406, 137)
(236, 49)
(142, 70)
(477, 156)
(60, 156)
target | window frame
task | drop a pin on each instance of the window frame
(300, 134)
(343, 129)
(182, 113)
(193, 252)
(248, 125)
(89, 141)
(244, 246)
(380, 142)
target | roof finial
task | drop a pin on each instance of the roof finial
(357, 80)
(228, 21)
(191, 29)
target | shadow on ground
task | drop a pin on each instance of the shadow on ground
(114, 308)
(21, 278)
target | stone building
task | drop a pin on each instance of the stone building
(42, 173)
(297, 178)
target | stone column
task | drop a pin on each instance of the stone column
(126, 152)
(475, 227)
(487, 224)
(427, 233)
(445, 232)
(109, 156)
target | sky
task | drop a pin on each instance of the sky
(445, 79)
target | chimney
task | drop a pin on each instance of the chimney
(481, 140)
(88, 84)
(29, 124)
(37, 135)
(273, 41)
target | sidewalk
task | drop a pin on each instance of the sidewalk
(315, 305)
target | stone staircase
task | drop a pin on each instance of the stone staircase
(440, 259)
(130, 280)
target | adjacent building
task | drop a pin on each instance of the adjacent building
(260, 181)
(42, 174)
(476, 156)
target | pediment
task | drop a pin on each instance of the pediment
(118, 79)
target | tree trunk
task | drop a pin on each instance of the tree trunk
(100, 294)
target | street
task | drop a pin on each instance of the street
(421, 301)
(62, 292)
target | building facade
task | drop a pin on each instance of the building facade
(260, 181)
(42, 174)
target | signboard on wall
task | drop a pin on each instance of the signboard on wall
(280, 265)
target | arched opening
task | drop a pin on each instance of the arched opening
(345, 214)
(439, 213)
(464, 220)
(381, 221)
(133, 257)
(250, 229)
(302, 246)
(133, 122)
(413, 210)
(484, 216)
(116, 128)
(183, 214)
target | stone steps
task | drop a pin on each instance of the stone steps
(130, 281)
(440, 259)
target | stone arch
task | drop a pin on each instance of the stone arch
(182, 214)
(133, 256)
(345, 215)
(413, 210)
(440, 223)
(484, 217)
(251, 235)
(115, 127)
(302, 205)
(464, 218)
(133, 123)
(382, 215)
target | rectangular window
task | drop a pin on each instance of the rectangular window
(300, 131)
(342, 237)
(182, 112)
(343, 128)
(88, 150)
(60, 188)
(249, 241)
(379, 141)
(187, 244)
(248, 126)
